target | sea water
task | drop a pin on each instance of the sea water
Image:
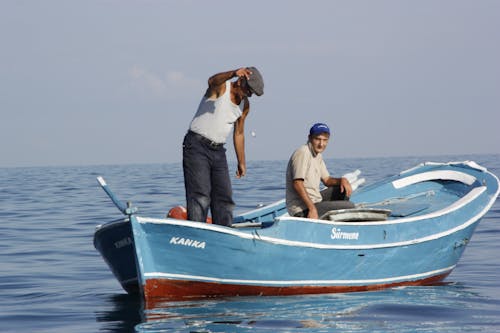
(53, 280)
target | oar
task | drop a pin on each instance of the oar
(125, 209)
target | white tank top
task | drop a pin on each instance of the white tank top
(216, 117)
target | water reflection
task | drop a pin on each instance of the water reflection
(401, 309)
(125, 312)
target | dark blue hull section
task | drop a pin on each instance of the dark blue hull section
(115, 243)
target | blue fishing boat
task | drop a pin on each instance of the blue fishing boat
(409, 229)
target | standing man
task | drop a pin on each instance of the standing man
(206, 173)
(306, 169)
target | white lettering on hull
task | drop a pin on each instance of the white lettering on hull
(187, 242)
(123, 242)
(339, 234)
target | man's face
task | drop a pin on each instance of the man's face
(319, 142)
(246, 88)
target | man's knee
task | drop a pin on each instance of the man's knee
(197, 207)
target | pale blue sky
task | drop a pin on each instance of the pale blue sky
(112, 82)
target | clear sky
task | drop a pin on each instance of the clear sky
(113, 82)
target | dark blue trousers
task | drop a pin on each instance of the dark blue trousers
(206, 179)
(333, 199)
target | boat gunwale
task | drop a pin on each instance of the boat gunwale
(280, 241)
(456, 205)
(110, 224)
(252, 233)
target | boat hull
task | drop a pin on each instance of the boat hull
(248, 264)
(115, 243)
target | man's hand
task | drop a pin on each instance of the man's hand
(216, 82)
(313, 213)
(242, 170)
(345, 187)
(243, 72)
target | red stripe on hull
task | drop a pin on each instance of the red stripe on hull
(158, 290)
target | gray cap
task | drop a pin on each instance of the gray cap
(255, 82)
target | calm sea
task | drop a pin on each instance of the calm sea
(53, 280)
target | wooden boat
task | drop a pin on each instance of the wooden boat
(409, 229)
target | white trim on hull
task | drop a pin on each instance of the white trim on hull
(156, 275)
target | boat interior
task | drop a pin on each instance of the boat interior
(424, 194)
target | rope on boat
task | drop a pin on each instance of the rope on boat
(391, 201)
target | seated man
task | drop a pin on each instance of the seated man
(305, 170)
